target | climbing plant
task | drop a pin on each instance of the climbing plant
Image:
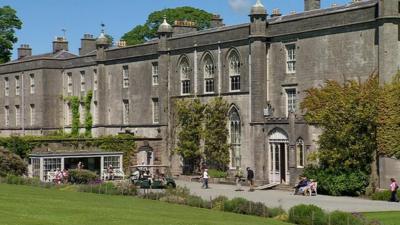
(74, 101)
(189, 123)
(215, 134)
(88, 114)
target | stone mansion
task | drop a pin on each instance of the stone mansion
(262, 68)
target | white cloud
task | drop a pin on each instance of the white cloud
(240, 5)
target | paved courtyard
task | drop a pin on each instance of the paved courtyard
(275, 198)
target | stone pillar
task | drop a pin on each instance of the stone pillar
(101, 167)
(41, 172)
(389, 39)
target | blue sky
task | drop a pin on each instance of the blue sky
(44, 19)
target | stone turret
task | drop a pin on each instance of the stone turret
(258, 19)
(164, 32)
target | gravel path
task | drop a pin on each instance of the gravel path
(275, 198)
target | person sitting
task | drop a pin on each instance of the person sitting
(58, 176)
(301, 186)
(65, 176)
(311, 188)
(110, 172)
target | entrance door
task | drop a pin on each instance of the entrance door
(277, 157)
(278, 162)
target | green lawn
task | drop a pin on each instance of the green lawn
(387, 218)
(31, 205)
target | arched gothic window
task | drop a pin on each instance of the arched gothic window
(208, 71)
(235, 136)
(300, 153)
(184, 70)
(234, 71)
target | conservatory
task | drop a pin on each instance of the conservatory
(43, 164)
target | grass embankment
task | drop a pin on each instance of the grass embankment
(21, 205)
(386, 218)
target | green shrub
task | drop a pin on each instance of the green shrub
(11, 163)
(277, 211)
(237, 205)
(153, 195)
(258, 209)
(217, 173)
(196, 201)
(344, 218)
(383, 195)
(337, 182)
(219, 202)
(81, 176)
(183, 192)
(307, 215)
(173, 199)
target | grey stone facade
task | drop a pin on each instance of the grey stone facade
(270, 61)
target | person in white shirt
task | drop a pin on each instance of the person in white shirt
(205, 179)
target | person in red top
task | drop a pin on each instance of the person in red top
(393, 189)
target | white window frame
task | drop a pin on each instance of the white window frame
(17, 115)
(32, 114)
(6, 86)
(69, 82)
(154, 73)
(6, 115)
(32, 83)
(234, 70)
(184, 72)
(125, 112)
(287, 99)
(17, 85)
(156, 110)
(209, 74)
(83, 81)
(68, 114)
(125, 76)
(300, 161)
(290, 58)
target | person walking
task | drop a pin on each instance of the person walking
(250, 178)
(205, 179)
(239, 177)
(393, 189)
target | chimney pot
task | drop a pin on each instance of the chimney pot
(24, 50)
(88, 44)
(59, 44)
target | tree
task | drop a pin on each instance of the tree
(141, 33)
(189, 121)
(347, 115)
(11, 163)
(216, 147)
(8, 23)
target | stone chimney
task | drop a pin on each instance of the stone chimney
(184, 26)
(121, 43)
(60, 43)
(88, 44)
(312, 5)
(24, 51)
(276, 13)
(216, 21)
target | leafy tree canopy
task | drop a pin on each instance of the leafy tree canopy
(347, 115)
(141, 33)
(9, 22)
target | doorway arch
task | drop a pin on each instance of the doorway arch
(278, 142)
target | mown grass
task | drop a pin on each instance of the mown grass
(386, 218)
(21, 205)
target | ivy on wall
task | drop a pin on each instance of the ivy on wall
(88, 114)
(76, 123)
(197, 122)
